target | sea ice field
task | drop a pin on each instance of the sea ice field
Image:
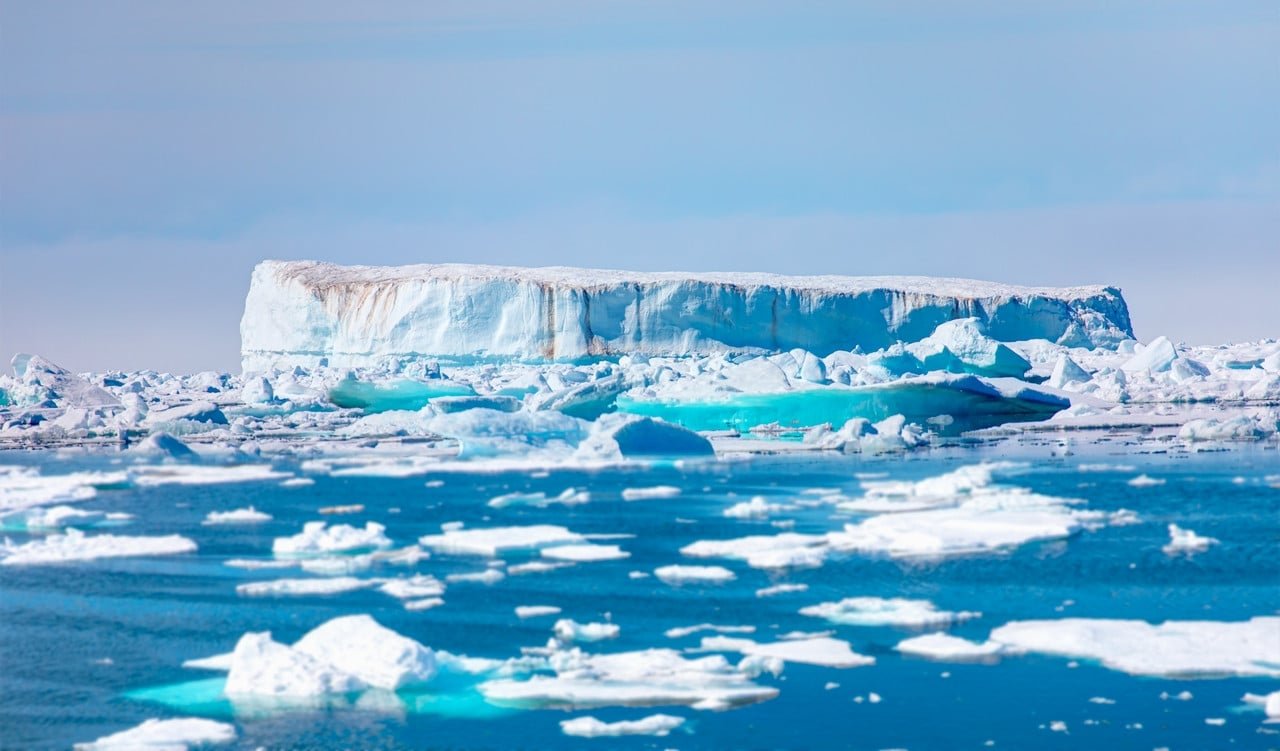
(996, 520)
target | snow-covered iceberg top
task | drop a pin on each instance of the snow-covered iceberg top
(306, 312)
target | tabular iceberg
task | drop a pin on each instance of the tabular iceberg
(306, 313)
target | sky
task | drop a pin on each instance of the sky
(152, 153)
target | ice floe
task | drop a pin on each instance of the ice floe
(249, 515)
(535, 611)
(1186, 541)
(590, 727)
(165, 735)
(821, 650)
(568, 631)
(492, 541)
(656, 491)
(880, 611)
(303, 587)
(678, 574)
(585, 553)
(317, 538)
(74, 545)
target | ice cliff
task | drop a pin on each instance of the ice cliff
(308, 313)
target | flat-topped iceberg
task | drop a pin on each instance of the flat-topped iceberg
(305, 312)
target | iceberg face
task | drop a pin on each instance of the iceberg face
(312, 313)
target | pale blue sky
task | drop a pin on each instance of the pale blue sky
(150, 153)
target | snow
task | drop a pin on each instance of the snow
(316, 538)
(652, 677)
(585, 553)
(74, 545)
(248, 515)
(1186, 541)
(492, 541)
(165, 735)
(298, 312)
(677, 574)
(569, 631)
(590, 727)
(893, 611)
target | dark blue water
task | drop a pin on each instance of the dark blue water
(59, 625)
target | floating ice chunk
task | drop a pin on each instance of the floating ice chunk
(781, 589)
(585, 553)
(492, 541)
(24, 487)
(1186, 541)
(568, 631)
(75, 545)
(589, 727)
(316, 538)
(948, 648)
(199, 411)
(257, 390)
(51, 518)
(1155, 358)
(377, 656)
(248, 515)
(303, 587)
(619, 435)
(165, 735)
(948, 489)
(297, 482)
(160, 443)
(1145, 481)
(822, 650)
(788, 549)
(413, 587)
(535, 611)
(570, 497)
(488, 576)
(490, 432)
(1270, 703)
(657, 491)
(536, 567)
(197, 475)
(756, 508)
(1239, 428)
(683, 631)
(651, 677)
(676, 574)
(1066, 372)
(1191, 649)
(962, 346)
(425, 603)
(261, 666)
(879, 611)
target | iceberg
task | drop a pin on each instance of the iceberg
(310, 313)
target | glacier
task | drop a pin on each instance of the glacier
(311, 313)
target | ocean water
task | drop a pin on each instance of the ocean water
(87, 649)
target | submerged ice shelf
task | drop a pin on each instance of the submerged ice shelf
(305, 312)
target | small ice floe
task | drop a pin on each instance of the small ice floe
(493, 541)
(656, 491)
(683, 631)
(535, 611)
(488, 576)
(297, 482)
(1216, 721)
(335, 585)
(48, 519)
(893, 611)
(342, 509)
(74, 545)
(590, 727)
(585, 553)
(249, 515)
(1269, 703)
(948, 648)
(346, 654)
(568, 631)
(677, 574)
(822, 651)
(425, 603)
(191, 474)
(537, 567)
(570, 497)
(781, 589)
(413, 587)
(165, 735)
(1101, 700)
(1145, 481)
(25, 487)
(871, 698)
(1058, 726)
(1186, 541)
(785, 550)
(756, 508)
(316, 538)
(651, 677)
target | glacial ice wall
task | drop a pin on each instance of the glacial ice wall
(305, 312)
